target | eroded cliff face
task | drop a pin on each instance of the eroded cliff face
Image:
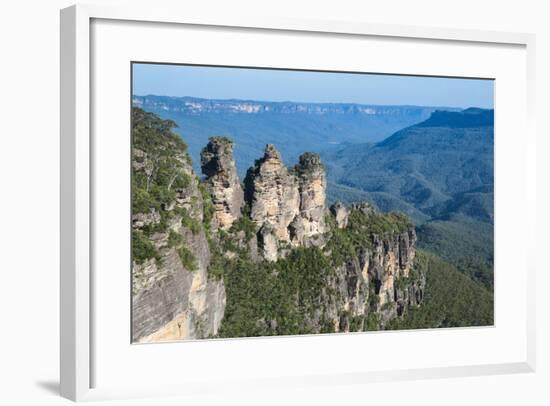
(340, 213)
(173, 301)
(222, 181)
(376, 281)
(172, 296)
(390, 269)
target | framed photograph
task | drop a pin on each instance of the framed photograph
(269, 203)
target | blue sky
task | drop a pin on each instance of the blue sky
(285, 85)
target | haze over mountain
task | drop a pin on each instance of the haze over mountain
(433, 164)
(440, 173)
(294, 126)
(425, 165)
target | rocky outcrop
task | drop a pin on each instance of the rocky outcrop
(268, 245)
(309, 226)
(291, 202)
(172, 302)
(364, 207)
(272, 194)
(389, 270)
(345, 300)
(374, 286)
(380, 282)
(222, 181)
(340, 213)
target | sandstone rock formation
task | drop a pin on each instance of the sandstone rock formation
(364, 207)
(222, 181)
(340, 213)
(312, 185)
(391, 261)
(272, 193)
(292, 202)
(171, 302)
(268, 244)
(379, 282)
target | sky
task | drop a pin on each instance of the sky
(300, 86)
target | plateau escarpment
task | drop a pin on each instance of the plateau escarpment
(214, 259)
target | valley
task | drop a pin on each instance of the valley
(357, 236)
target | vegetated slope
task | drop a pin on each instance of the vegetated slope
(439, 172)
(477, 204)
(172, 294)
(464, 242)
(383, 201)
(294, 127)
(452, 299)
(320, 290)
(424, 165)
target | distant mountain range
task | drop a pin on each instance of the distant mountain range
(440, 173)
(293, 126)
(195, 105)
(424, 166)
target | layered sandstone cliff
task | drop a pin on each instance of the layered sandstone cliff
(272, 194)
(309, 226)
(172, 296)
(222, 181)
(287, 206)
(377, 281)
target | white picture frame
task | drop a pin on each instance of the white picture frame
(77, 325)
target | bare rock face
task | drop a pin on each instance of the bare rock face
(171, 302)
(272, 193)
(218, 165)
(312, 185)
(391, 263)
(172, 296)
(267, 242)
(379, 280)
(340, 213)
(291, 202)
(364, 207)
(373, 281)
